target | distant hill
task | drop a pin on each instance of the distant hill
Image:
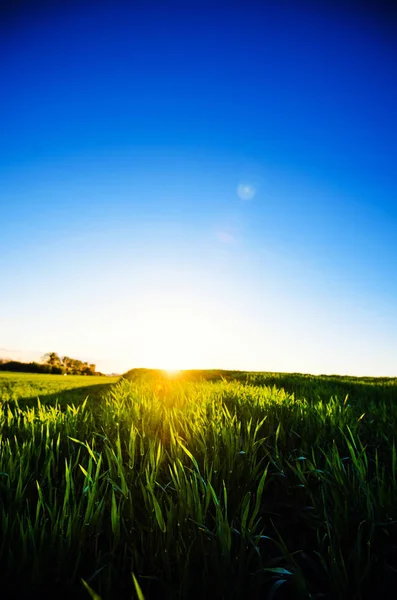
(311, 387)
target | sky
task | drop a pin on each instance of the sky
(200, 185)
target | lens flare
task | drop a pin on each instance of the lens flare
(245, 191)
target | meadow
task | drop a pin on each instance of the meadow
(215, 484)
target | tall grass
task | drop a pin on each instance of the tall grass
(221, 489)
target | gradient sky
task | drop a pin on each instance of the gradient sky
(200, 185)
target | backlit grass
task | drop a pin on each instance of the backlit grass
(227, 488)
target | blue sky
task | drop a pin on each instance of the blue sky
(208, 185)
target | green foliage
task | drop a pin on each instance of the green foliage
(226, 488)
(32, 367)
(51, 363)
(69, 366)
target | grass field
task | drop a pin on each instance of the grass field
(208, 485)
(27, 387)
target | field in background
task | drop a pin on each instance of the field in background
(213, 484)
(27, 387)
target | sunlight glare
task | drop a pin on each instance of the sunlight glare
(174, 330)
(171, 373)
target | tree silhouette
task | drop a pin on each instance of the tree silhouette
(52, 359)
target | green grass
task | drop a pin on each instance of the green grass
(211, 485)
(29, 386)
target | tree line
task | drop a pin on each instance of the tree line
(51, 363)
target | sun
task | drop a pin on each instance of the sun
(171, 373)
(176, 330)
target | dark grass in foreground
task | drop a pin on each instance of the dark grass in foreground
(229, 488)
